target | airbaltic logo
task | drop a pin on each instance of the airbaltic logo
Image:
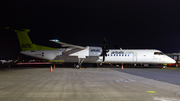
(26, 45)
(95, 50)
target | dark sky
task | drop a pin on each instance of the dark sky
(133, 24)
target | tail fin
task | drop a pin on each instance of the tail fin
(26, 43)
(24, 40)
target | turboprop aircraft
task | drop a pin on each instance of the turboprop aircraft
(89, 54)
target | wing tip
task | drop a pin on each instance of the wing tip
(54, 40)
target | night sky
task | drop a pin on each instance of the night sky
(133, 24)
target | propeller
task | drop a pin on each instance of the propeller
(104, 49)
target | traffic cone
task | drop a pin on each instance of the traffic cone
(122, 66)
(9, 66)
(51, 69)
(54, 67)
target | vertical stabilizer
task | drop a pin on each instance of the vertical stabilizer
(26, 43)
(24, 40)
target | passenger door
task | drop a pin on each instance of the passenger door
(135, 57)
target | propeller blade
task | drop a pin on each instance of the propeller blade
(104, 49)
(103, 58)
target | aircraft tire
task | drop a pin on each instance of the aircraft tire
(77, 66)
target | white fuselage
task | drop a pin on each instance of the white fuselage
(151, 56)
(138, 56)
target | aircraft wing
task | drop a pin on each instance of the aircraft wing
(71, 48)
(67, 45)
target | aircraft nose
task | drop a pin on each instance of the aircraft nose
(172, 60)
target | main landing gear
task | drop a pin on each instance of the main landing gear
(78, 66)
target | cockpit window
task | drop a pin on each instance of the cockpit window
(158, 53)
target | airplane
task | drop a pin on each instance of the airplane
(89, 54)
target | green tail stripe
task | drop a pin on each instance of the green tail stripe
(38, 47)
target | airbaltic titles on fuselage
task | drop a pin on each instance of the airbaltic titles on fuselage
(112, 52)
(121, 52)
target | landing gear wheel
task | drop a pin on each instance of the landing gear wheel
(77, 66)
(164, 67)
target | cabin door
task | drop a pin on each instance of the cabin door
(135, 57)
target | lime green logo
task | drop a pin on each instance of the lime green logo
(26, 45)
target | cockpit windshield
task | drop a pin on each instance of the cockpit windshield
(158, 53)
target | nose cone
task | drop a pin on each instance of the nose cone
(171, 61)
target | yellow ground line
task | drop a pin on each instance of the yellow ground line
(151, 91)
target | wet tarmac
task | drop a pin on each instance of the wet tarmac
(88, 84)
